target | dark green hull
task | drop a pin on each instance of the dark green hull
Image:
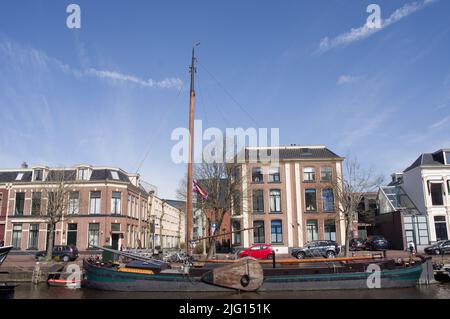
(102, 278)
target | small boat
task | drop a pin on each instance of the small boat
(4, 251)
(248, 274)
(6, 290)
(441, 272)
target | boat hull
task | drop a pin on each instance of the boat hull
(110, 279)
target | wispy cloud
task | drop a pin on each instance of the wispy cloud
(363, 32)
(440, 123)
(36, 58)
(347, 79)
(120, 77)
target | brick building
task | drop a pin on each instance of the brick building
(108, 206)
(290, 201)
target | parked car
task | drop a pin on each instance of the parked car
(440, 248)
(318, 248)
(63, 252)
(356, 244)
(258, 251)
(376, 243)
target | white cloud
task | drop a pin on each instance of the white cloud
(440, 123)
(363, 32)
(347, 79)
(25, 57)
(167, 83)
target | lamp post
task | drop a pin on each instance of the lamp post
(153, 230)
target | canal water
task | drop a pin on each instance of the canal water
(42, 291)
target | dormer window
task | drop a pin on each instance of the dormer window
(447, 158)
(19, 176)
(115, 175)
(38, 175)
(83, 174)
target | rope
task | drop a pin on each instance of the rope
(230, 95)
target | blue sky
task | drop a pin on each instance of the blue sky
(112, 91)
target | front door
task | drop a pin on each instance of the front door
(72, 234)
(115, 241)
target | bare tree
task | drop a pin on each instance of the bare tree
(222, 181)
(56, 190)
(349, 190)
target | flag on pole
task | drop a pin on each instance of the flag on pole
(199, 190)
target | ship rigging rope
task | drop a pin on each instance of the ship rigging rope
(158, 131)
(230, 95)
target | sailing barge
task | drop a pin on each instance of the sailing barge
(248, 274)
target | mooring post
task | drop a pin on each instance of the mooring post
(36, 274)
(273, 260)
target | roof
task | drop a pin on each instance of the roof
(293, 152)
(398, 199)
(177, 204)
(59, 174)
(428, 159)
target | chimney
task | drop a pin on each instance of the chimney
(24, 165)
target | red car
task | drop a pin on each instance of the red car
(258, 251)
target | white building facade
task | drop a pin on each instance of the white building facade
(168, 224)
(427, 183)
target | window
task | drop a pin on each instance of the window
(38, 175)
(312, 230)
(19, 176)
(36, 203)
(83, 174)
(20, 200)
(309, 174)
(440, 226)
(310, 200)
(72, 234)
(33, 236)
(258, 232)
(276, 232)
(114, 175)
(447, 158)
(326, 173)
(448, 186)
(258, 201)
(116, 203)
(17, 236)
(129, 206)
(436, 194)
(237, 204)
(94, 234)
(275, 201)
(1, 202)
(94, 204)
(74, 202)
(257, 176)
(328, 200)
(236, 235)
(115, 227)
(274, 175)
(330, 230)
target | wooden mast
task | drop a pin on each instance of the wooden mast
(191, 153)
